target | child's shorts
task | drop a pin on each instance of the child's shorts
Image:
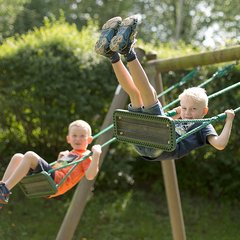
(42, 166)
(148, 152)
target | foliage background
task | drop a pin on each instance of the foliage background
(199, 23)
(46, 82)
(51, 76)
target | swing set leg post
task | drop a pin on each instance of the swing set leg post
(171, 184)
(174, 201)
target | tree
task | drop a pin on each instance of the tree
(49, 77)
(193, 21)
(9, 11)
(201, 23)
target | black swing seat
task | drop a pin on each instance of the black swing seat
(38, 185)
(154, 131)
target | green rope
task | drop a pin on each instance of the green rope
(183, 81)
(220, 73)
(224, 90)
(75, 163)
(95, 136)
(103, 131)
(173, 112)
(205, 122)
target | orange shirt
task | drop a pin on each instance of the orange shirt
(75, 176)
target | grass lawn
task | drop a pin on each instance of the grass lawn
(110, 215)
(137, 215)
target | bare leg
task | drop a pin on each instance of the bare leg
(29, 161)
(12, 166)
(148, 93)
(127, 83)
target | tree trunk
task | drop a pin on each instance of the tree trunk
(179, 19)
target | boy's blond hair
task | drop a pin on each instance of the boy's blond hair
(81, 123)
(198, 94)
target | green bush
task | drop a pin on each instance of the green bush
(50, 77)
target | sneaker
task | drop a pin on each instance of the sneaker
(109, 30)
(125, 37)
(4, 194)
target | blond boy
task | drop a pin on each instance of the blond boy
(117, 38)
(79, 137)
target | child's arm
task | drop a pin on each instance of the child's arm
(94, 165)
(221, 141)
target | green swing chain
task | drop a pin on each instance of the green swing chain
(220, 73)
(183, 81)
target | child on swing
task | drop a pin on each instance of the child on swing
(79, 137)
(118, 37)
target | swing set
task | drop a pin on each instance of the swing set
(136, 128)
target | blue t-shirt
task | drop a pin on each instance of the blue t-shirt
(192, 142)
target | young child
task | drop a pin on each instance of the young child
(79, 137)
(118, 37)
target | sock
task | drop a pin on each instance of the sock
(130, 56)
(114, 57)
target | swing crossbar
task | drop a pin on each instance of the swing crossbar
(153, 131)
(38, 185)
